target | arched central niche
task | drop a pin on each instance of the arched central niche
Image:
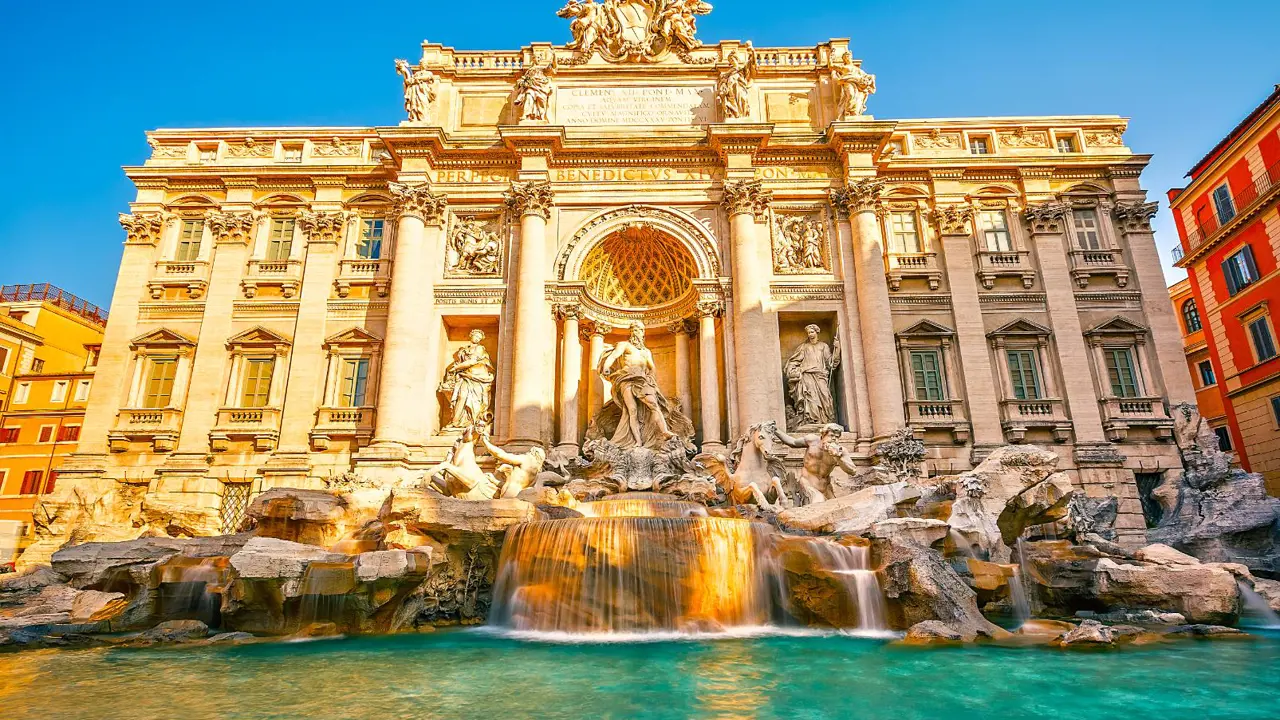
(638, 267)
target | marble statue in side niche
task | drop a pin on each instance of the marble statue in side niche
(521, 470)
(468, 381)
(808, 373)
(460, 476)
(855, 87)
(638, 414)
(419, 90)
(533, 93)
(473, 249)
(822, 455)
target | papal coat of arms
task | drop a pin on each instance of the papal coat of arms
(634, 30)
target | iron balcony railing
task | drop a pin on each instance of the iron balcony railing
(56, 295)
(1244, 202)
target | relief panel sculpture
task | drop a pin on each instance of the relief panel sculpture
(474, 248)
(800, 244)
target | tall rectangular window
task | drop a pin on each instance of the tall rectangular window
(1207, 377)
(355, 381)
(4, 361)
(369, 246)
(257, 382)
(22, 393)
(1086, 226)
(46, 434)
(1264, 343)
(926, 370)
(1240, 270)
(906, 234)
(1121, 372)
(280, 239)
(1275, 409)
(1223, 204)
(59, 392)
(159, 388)
(189, 238)
(1024, 374)
(31, 482)
(82, 390)
(995, 230)
(1224, 438)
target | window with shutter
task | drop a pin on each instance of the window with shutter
(257, 382)
(1121, 372)
(355, 379)
(159, 388)
(1223, 204)
(926, 370)
(1024, 374)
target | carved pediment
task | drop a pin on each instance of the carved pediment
(352, 336)
(1022, 327)
(1117, 326)
(927, 328)
(258, 337)
(162, 337)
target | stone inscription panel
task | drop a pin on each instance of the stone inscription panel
(634, 106)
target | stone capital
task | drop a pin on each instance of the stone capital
(566, 311)
(232, 227)
(530, 198)
(681, 327)
(590, 326)
(323, 227)
(954, 219)
(858, 196)
(1046, 218)
(142, 228)
(710, 308)
(418, 201)
(746, 196)
(1135, 217)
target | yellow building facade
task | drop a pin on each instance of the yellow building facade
(49, 345)
(292, 301)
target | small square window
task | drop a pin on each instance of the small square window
(91, 356)
(1207, 378)
(9, 435)
(292, 153)
(1066, 144)
(37, 365)
(69, 433)
(979, 145)
(209, 154)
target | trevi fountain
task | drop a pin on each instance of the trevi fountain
(822, 560)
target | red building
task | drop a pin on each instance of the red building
(1229, 224)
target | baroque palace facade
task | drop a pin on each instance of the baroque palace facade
(297, 302)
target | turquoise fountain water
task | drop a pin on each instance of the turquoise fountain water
(475, 674)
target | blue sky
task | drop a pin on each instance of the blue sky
(82, 81)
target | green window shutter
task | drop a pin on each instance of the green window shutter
(926, 369)
(1121, 373)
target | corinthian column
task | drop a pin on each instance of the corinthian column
(745, 201)
(532, 202)
(684, 369)
(570, 379)
(598, 386)
(709, 378)
(884, 385)
(406, 401)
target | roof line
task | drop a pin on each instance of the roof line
(1235, 133)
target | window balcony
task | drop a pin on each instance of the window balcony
(261, 425)
(193, 277)
(1087, 263)
(1018, 416)
(1246, 201)
(159, 426)
(354, 272)
(904, 265)
(342, 422)
(993, 264)
(284, 274)
(1120, 414)
(945, 415)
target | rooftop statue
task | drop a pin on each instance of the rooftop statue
(638, 415)
(631, 30)
(731, 90)
(419, 90)
(855, 87)
(533, 93)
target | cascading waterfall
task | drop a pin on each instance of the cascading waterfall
(191, 588)
(1257, 610)
(648, 563)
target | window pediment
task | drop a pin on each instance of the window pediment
(1117, 326)
(1020, 327)
(161, 338)
(354, 336)
(927, 329)
(259, 337)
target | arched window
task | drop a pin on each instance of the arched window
(1191, 316)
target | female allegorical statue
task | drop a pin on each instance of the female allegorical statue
(469, 382)
(808, 374)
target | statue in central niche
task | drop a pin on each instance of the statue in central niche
(638, 415)
(808, 373)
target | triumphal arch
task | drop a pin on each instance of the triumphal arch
(634, 240)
